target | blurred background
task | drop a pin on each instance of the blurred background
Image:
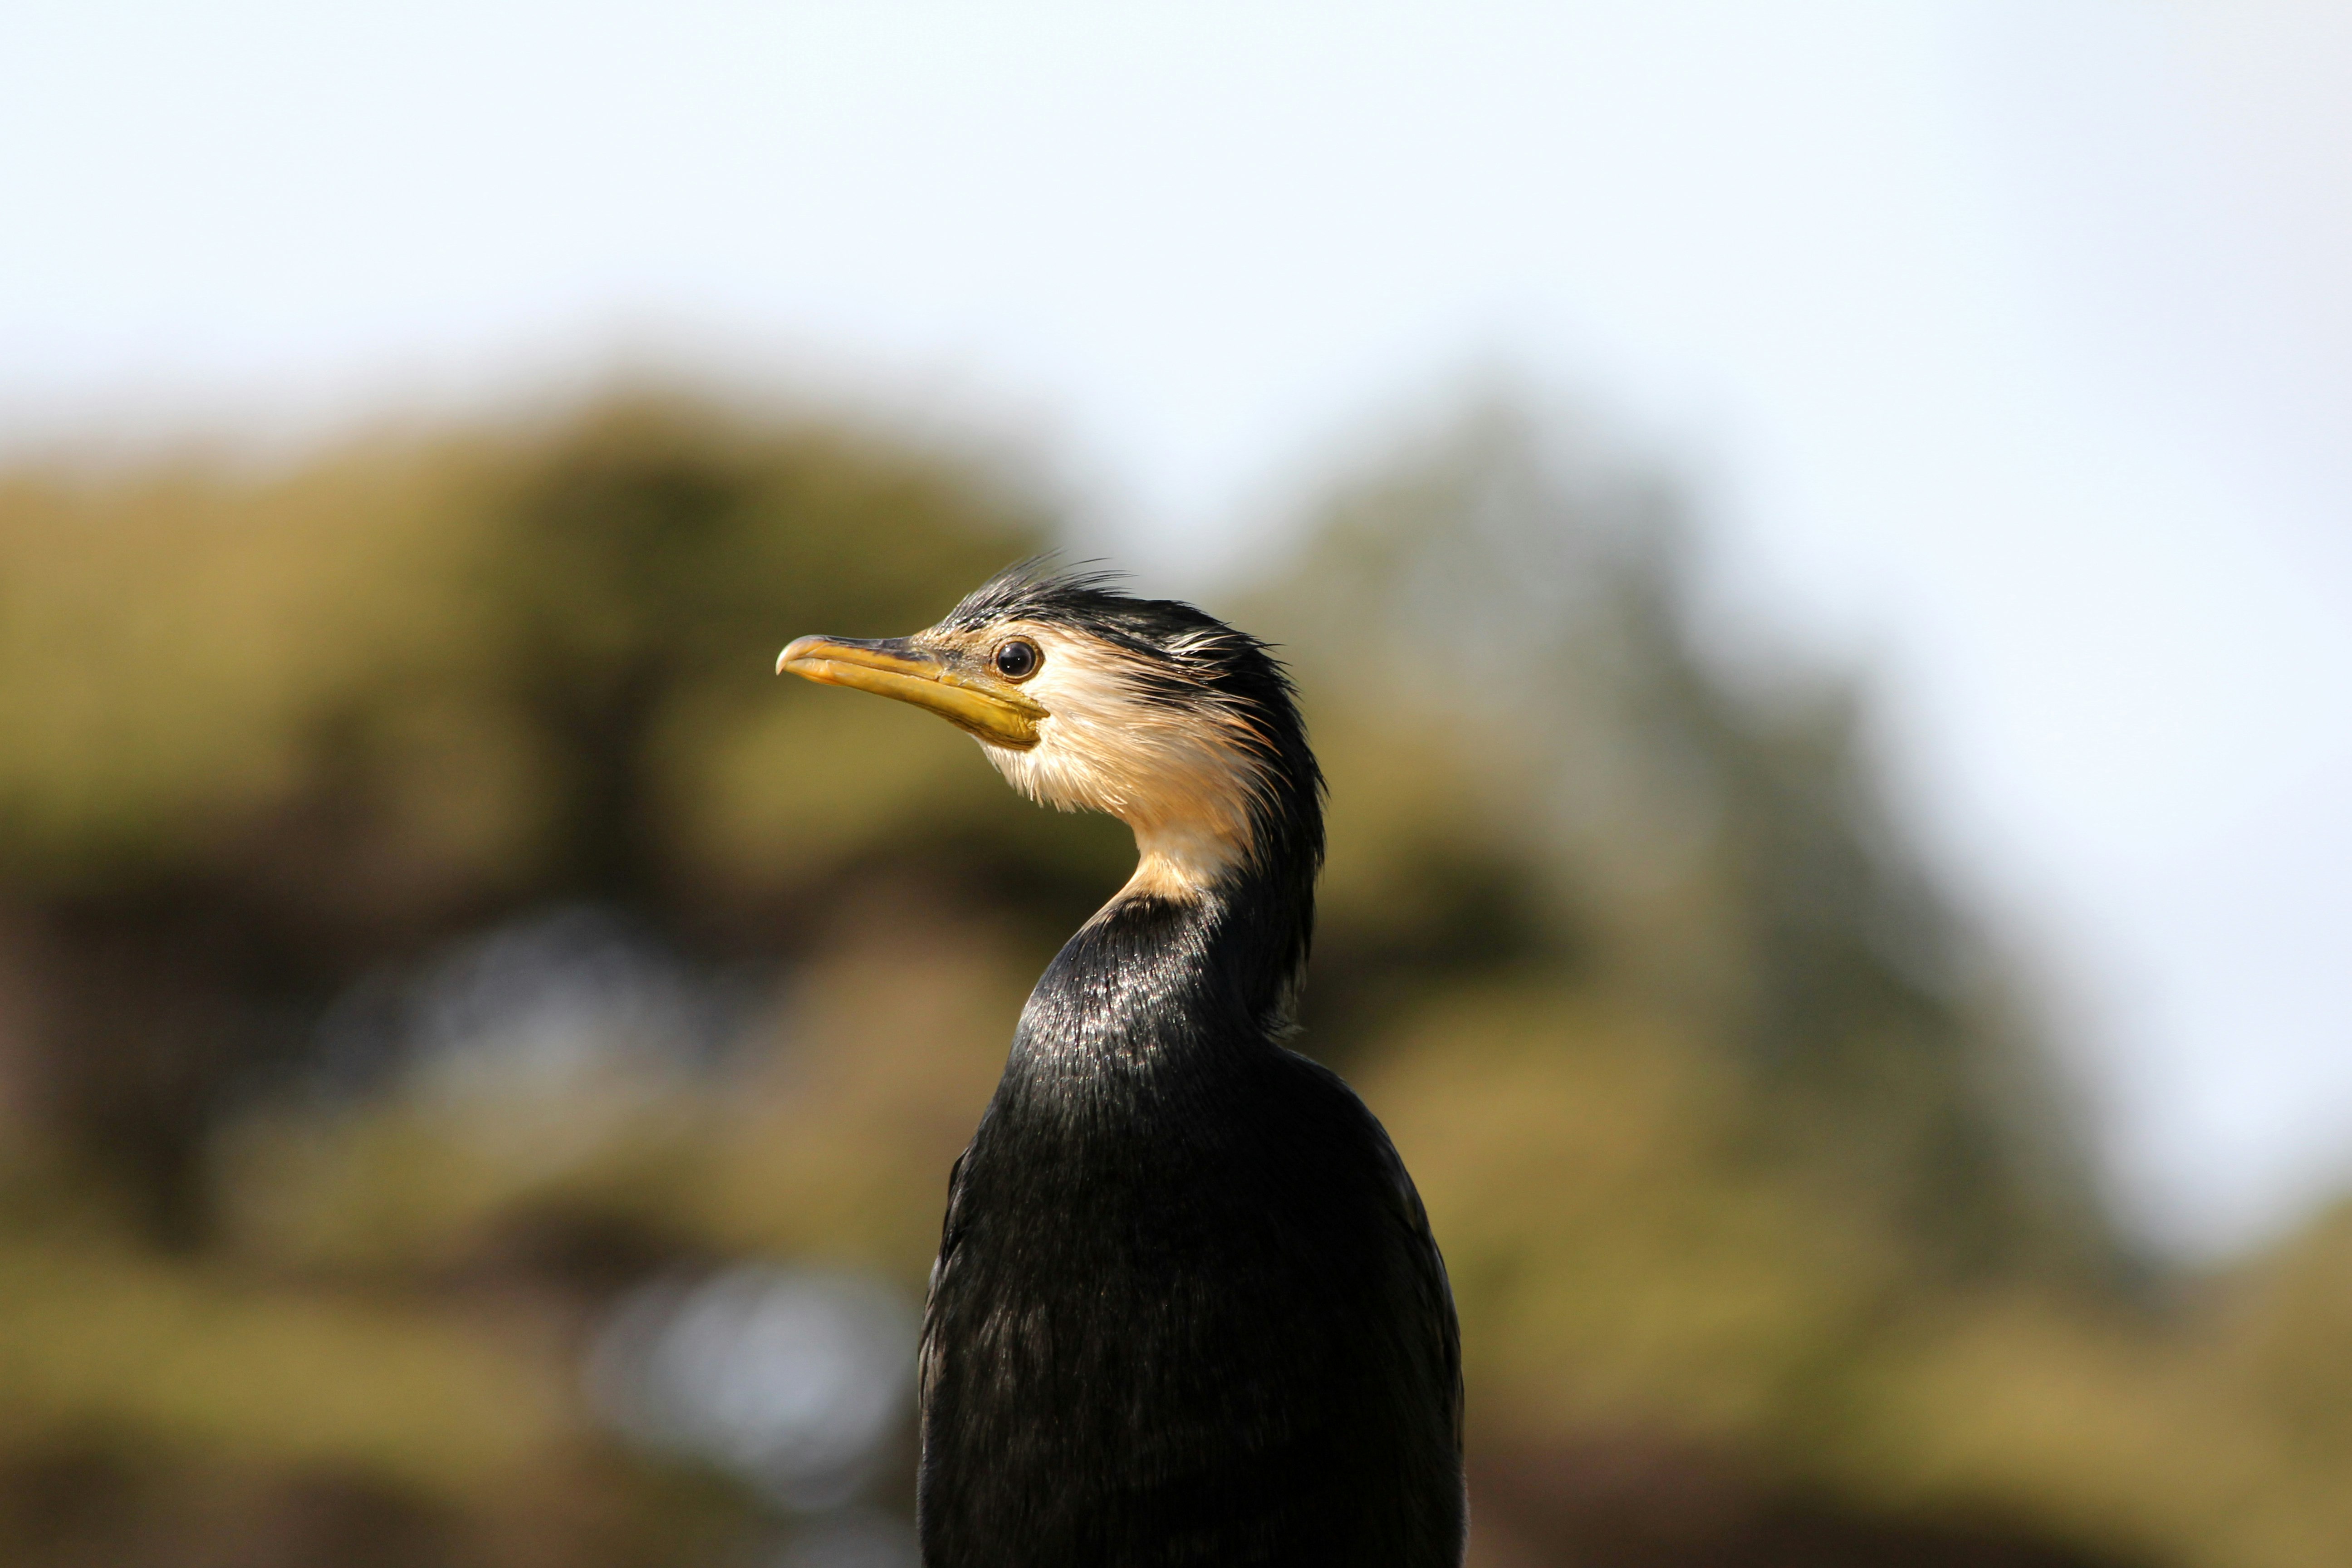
(1817, 546)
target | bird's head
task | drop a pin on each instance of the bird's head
(1087, 698)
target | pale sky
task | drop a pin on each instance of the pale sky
(2008, 341)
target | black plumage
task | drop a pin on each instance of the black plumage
(1187, 1307)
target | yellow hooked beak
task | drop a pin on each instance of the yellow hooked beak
(894, 666)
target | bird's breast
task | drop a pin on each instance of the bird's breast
(1159, 1315)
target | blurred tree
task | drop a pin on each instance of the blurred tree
(1495, 631)
(268, 732)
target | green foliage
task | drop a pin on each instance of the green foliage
(96, 1338)
(512, 662)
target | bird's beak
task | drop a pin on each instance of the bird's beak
(996, 712)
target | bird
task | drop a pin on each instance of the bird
(1187, 1307)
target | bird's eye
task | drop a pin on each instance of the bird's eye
(1018, 658)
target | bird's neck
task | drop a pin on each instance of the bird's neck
(1181, 860)
(1195, 958)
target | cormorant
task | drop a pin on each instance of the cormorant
(1187, 1308)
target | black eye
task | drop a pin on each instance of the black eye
(1018, 660)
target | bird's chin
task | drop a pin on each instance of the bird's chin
(997, 713)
